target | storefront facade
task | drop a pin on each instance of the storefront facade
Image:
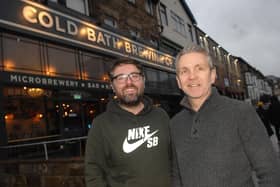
(53, 72)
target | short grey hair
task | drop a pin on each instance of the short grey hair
(195, 49)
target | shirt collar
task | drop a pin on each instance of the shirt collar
(211, 100)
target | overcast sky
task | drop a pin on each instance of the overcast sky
(246, 28)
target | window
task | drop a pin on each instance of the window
(93, 67)
(21, 54)
(78, 5)
(134, 33)
(173, 82)
(54, 1)
(163, 14)
(25, 115)
(110, 21)
(53, 113)
(151, 77)
(62, 62)
(154, 41)
(206, 44)
(219, 54)
(201, 42)
(179, 24)
(190, 31)
(163, 80)
(131, 1)
(149, 7)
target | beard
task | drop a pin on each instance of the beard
(130, 99)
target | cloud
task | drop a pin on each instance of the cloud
(248, 29)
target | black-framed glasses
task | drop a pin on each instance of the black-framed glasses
(122, 78)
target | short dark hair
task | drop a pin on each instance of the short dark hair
(121, 61)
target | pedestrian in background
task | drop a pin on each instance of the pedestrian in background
(274, 112)
(129, 144)
(265, 115)
(217, 141)
(263, 112)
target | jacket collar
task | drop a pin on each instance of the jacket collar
(212, 100)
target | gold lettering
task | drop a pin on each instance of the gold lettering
(57, 25)
(29, 13)
(127, 47)
(91, 34)
(72, 28)
(108, 37)
(134, 49)
(140, 50)
(45, 19)
(100, 38)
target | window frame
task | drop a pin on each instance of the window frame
(149, 7)
(179, 24)
(110, 21)
(163, 14)
(132, 1)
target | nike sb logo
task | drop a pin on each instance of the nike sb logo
(142, 135)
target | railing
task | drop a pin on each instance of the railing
(54, 147)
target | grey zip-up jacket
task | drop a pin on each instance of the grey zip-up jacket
(127, 150)
(220, 146)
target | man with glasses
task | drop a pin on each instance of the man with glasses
(129, 143)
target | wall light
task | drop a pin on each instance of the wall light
(35, 92)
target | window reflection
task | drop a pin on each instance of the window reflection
(93, 66)
(151, 77)
(62, 62)
(24, 115)
(54, 113)
(21, 54)
(163, 80)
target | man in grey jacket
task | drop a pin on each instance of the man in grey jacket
(217, 141)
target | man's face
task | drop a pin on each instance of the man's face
(195, 77)
(128, 84)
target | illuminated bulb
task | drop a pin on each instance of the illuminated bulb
(83, 31)
(119, 44)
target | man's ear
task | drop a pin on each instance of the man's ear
(178, 82)
(213, 75)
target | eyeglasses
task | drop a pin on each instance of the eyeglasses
(122, 78)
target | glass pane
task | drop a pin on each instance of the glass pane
(163, 80)
(173, 82)
(163, 14)
(25, 115)
(21, 54)
(52, 116)
(78, 5)
(91, 110)
(71, 114)
(149, 6)
(151, 77)
(62, 62)
(93, 66)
